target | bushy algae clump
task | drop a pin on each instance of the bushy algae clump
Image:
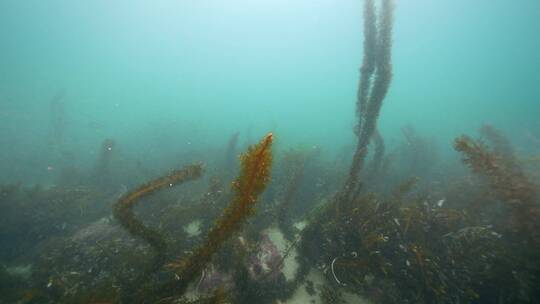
(506, 178)
(508, 181)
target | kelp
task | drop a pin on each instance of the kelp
(506, 178)
(252, 180)
(391, 246)
(123, 212)
(375, 79)
(510, 185)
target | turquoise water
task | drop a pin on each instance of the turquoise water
(157, 76)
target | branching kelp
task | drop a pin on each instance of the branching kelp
(518, 195)
(251, 182)
(508, 181)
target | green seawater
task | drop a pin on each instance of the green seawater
(166, 76)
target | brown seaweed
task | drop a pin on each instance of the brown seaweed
(123, 212)
(253, 178)
(507, 180)
(374, 84)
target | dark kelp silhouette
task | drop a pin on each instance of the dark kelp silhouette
(123, 212)
(376, 75)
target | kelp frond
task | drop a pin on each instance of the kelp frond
(123, 212)
(508, 181)
(123, 208)
(375, 79)
(253, 178)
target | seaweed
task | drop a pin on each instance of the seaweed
(376, 76)
(506, 178)
(512, 187)
(411, 252)
(123, 212)
(251, 182)
(381, 236)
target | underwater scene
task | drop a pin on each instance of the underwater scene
(269, 151)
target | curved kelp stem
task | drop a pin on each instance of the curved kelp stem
(253, 178)
(123, 212)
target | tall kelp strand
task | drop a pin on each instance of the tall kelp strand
(251, 182)
(375, 79)
(123, 211)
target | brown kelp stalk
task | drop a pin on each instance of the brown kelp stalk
(251, 182)
(123, 209)
(368, 62)
(376, 75)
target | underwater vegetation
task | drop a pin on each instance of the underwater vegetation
(291, 226)
(375, 79)
(122, 211)
(510, 185)
(254, 175)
